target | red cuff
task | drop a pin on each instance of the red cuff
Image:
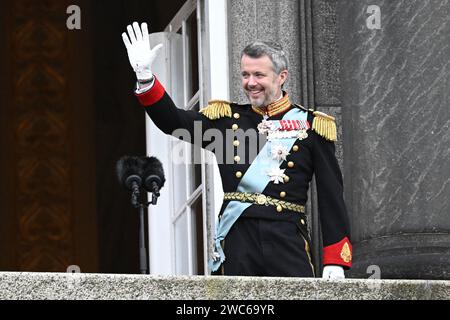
(339, 253)
(153, 95)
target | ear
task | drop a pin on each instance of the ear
(283, 76)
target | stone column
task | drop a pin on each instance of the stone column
(396, 119)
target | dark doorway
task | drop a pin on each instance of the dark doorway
(67, 114)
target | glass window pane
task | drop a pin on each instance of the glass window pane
(195, 170)
(197, 232)
(179, 149)
(192, 47)
(181, 246)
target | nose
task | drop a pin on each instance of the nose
(252, 81)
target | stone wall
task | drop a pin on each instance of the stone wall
(53, 286)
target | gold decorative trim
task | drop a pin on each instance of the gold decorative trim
(308, 252)
(217, 109)
(346, 254)
(274, 108)
(325, 125)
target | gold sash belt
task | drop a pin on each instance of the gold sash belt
(258, 198)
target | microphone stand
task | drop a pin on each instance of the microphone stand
(143, 264)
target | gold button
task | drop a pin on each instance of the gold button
(296, 148)
(279, 209)
(282, 194)
(236, 115)
(302, 222)
(238, 174)
(290, 164)
(286, 179)
(236, 143)
(235, 127)
(237, 159)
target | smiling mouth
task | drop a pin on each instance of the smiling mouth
(255, 92)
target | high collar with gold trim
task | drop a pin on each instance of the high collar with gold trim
(274, 108)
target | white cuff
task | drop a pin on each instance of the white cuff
(144, 88)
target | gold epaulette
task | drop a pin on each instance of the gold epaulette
(217, 109)
(325, 125)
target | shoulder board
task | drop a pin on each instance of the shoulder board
(324, 125)
(217, 109)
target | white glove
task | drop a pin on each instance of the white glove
(139, 51)
(333, 273)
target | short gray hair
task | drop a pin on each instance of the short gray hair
(272, 50)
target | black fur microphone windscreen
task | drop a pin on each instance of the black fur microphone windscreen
(128, 166)
(152, 166)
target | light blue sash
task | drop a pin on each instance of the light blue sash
(255, 180)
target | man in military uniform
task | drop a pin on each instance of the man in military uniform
(262, 228)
